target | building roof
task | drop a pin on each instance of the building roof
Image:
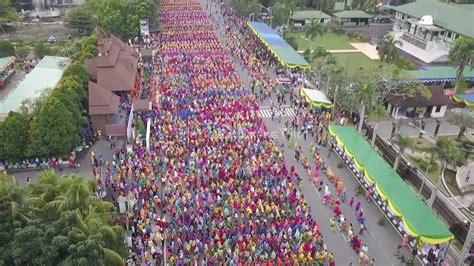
(417, 218)
(278, 46)
(456, 18)
(352, 14)
(5, 62)
(46, 74)
(115, 130)
(437, 98)
(114, 68)
(309, 14)
(141, 105)
(102, 101)
(440, 73)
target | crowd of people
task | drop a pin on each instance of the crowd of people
(213, 188)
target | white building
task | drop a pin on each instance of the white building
(304, 17)
(428, 28)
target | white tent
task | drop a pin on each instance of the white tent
(316, 98)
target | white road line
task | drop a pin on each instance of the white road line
(290, 112)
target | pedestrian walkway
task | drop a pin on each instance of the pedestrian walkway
(279, 112)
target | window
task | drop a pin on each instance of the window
(449, 34)
(438, 109)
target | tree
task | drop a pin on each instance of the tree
(6, 48)
(7, 14)
(448, 153)
(282, 11)
(460, 55)
(245, 7)
(81, 18)
(42, 49)
(464, 119)
(53, 130)
(387, 48)
(78, 233)
(376, 113)
(314, 29)
(14, 136)
(403, 143)
(364, 95)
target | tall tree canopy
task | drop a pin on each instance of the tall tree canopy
(53, 131)
(460, 55)
(14, 136)
(57, 221)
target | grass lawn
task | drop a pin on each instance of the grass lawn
(356, 63)
(330, 41)
(422, 164)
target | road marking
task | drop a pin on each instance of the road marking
(279, 112)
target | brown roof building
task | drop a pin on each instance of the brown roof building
(115, 68)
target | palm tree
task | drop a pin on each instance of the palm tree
(448, 153)
(461, 54)
(376, 113)
(464, 119)
(14, 198)
(365, 96)
(388, 49)
(281, 14)
(403, 144)
(314, 29)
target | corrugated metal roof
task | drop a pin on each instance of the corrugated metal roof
(46, 74)
(309, 14)
(6, 61)
(352, 14)
(456, 18)
(441, 73)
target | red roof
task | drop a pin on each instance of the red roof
(102, 101)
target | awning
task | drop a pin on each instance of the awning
(316, 98)
(278, 46)
(417, 218)
(465, 98)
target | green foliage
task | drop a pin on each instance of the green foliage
(6, 48)
(404, 143)
(81, 18)
(14, 136)
(382, 220)
(53, 130)
(307, 55)
(339, 30)
(387, 49)
(42, 49)
(121, 17)
(462, 84)
(7, 13)
(377, 112)
(291, 41)
(464, 119)
(77, 233)
(447, 151)
(461, 53)
(314, 29)
(22, 51)
(403, 63)
(245, 7)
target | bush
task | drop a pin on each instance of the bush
(42, 49)
(339, 30)
(382, 220)
(6, 49)
(404, 63)
(363, 38)
(351, 34)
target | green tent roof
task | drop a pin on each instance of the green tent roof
(416, 216)
(309, 14)
(456, 18)
(440, 73)
(352, 14)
